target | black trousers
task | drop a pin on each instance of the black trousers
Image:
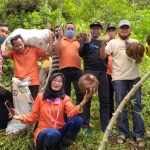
(103, 96)
(111, 96)
(34, 90)
(72, 74)
(4, 96)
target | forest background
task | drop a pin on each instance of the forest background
(31, 14)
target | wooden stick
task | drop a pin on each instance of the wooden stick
(120, 108)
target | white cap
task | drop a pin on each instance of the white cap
(124, 22)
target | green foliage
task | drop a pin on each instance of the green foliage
(32, 21)
(13, 6)
(22, 141)
(8, 68)
(36, 13)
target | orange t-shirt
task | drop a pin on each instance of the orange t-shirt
(25, 64)
(109, 68)
(69, 56)
(45, 112)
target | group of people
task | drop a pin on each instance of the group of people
(106, 59)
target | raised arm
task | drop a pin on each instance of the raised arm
(84, 45)
(57, 46)
(103, 54)
(4, 52)
(50, 47)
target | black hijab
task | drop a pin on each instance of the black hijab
(49, 93)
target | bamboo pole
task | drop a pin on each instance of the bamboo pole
(120, 108)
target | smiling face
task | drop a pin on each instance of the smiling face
(18, 45)
(96, 31)
(111, 32)
(57, 83)
(3, 32)
(124, 31)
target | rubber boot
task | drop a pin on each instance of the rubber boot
(67, 141)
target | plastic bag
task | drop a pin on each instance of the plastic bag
(32, 37)
(23, 102)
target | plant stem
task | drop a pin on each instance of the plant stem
(120, 108)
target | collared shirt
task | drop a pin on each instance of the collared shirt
(25, 64)
(123, 67)
(69, 56)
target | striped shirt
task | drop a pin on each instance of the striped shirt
(55, 62)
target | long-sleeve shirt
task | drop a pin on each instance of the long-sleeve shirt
(91, 54)
(50, 115)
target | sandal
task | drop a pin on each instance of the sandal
(121, 139)
(140, 142)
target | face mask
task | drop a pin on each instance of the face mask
(95, 35)
(125, 37)
(1, 41)
(57, 36)
(70, 33)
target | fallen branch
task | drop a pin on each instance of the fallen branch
(120, 108)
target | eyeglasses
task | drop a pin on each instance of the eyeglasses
(96, 28)
(57, 81)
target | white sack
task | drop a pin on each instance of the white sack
(23, 102)
(32, 37)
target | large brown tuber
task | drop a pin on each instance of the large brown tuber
(88, 81)
(135, 48)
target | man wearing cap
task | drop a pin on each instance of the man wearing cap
(93, 64)
(125, 74)
(111, 31)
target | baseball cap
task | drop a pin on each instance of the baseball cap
(97, 24)
(124, 22)
(110, 26)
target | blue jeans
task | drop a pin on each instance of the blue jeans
(122, 87)
(103, 95)
(51, 137)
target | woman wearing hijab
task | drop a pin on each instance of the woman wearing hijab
(49, 108)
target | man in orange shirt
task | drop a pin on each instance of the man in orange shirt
(25, 61)
(69, 61)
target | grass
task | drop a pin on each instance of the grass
(24, 141)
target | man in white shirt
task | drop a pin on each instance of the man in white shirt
(125, 74)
